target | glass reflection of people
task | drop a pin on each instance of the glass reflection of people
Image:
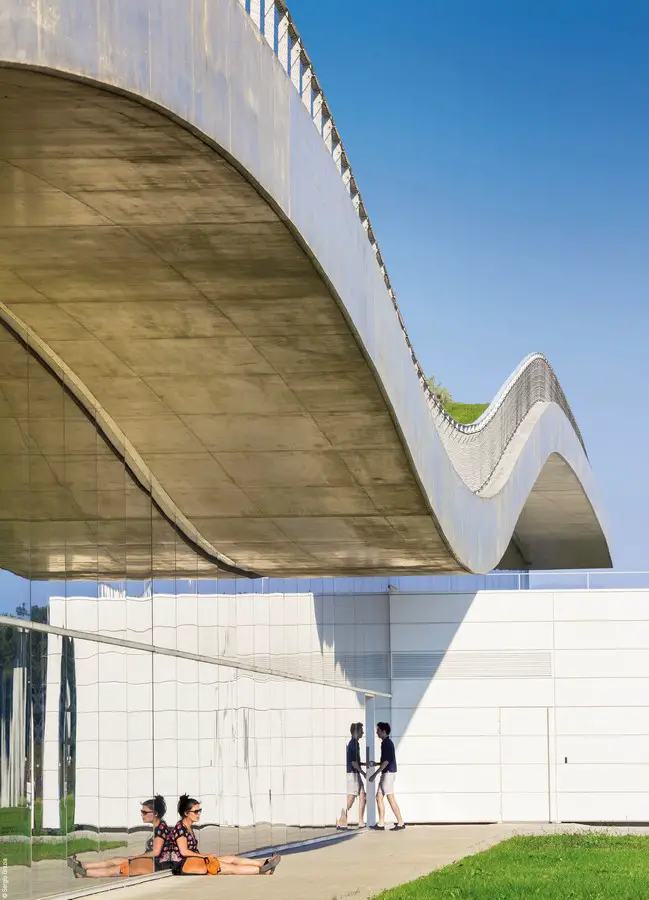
(355, 777)
(152, 813)
(181, 849)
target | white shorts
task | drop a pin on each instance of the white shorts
(355, 784)
(386, 783)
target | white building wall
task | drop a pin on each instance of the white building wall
(507, 705)
(522, 706)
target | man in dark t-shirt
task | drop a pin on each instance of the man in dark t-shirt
(386, 772)
(355, 776)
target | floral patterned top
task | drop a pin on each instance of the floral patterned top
(171, 851)
(161, 831)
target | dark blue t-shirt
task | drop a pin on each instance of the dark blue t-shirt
(353, 754)
(388, 755)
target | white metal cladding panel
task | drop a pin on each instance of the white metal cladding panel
(87, 725)
(612, 635)
(472, 692)
(622, 777)
(425, 806)
(602, 663)
(448, 779)
(524, 749)
(601, 691)
(113, 755)
(602, 720)
(603, 807)
(75, 613)
(472, 636)
(525, 807)
(483, 606)
(525, 779)
(523, 721)
(87, 753)
(583, 606)
(429, 723)
(466, 750)
(366, 609)
(140, 754)
(619, 748)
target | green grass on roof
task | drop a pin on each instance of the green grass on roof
(465, 413)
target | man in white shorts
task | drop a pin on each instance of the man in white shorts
(386, 773)
(355, 777)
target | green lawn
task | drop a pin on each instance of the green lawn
(18, 854)
(556, 867)
(466, 413)
(14, 820)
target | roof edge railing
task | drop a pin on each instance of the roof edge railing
(516, 397)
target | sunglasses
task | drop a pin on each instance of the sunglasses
(146, 812)
(196, 811)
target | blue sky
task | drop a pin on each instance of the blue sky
(502, 150)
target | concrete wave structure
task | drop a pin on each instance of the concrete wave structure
(182, 242)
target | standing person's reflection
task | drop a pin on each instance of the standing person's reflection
(181, 849)
(152, 813)
(355, 776)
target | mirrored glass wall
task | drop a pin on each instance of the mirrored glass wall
(130, 667)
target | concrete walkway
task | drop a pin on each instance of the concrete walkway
(355, 869)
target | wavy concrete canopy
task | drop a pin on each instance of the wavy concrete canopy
(217, 302)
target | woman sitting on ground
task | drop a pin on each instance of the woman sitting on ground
(146, 863)
(181, 850)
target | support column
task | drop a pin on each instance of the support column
(269, 23)
(255, 12)
(283, 42)
(296, 63)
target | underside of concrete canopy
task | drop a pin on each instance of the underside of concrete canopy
(212, 308)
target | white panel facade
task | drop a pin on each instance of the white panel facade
(562, 732)
(506, 705)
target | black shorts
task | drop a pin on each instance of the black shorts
(161, 866)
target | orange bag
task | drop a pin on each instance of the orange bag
(213, 865)
(200, 865)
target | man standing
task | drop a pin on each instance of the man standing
(355, 776)
(386, 772)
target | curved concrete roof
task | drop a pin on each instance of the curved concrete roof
(219, 308)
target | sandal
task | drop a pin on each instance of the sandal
(77, 868)
(270, 865)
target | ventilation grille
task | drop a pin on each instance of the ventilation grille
(340, 668)
(483, 664)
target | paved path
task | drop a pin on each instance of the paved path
(355, 869)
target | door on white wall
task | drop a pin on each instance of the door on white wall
(602, 763)
(525, 764)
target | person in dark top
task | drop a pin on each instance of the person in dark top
(181, 850)
(152, 813)
(386, 772)
(355, 777)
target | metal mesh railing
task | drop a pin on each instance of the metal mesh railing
(475, 450)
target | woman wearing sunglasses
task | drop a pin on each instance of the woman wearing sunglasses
(181, 849)
(146, 863)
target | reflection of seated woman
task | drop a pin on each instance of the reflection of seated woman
(181, 850)
(152, 812)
